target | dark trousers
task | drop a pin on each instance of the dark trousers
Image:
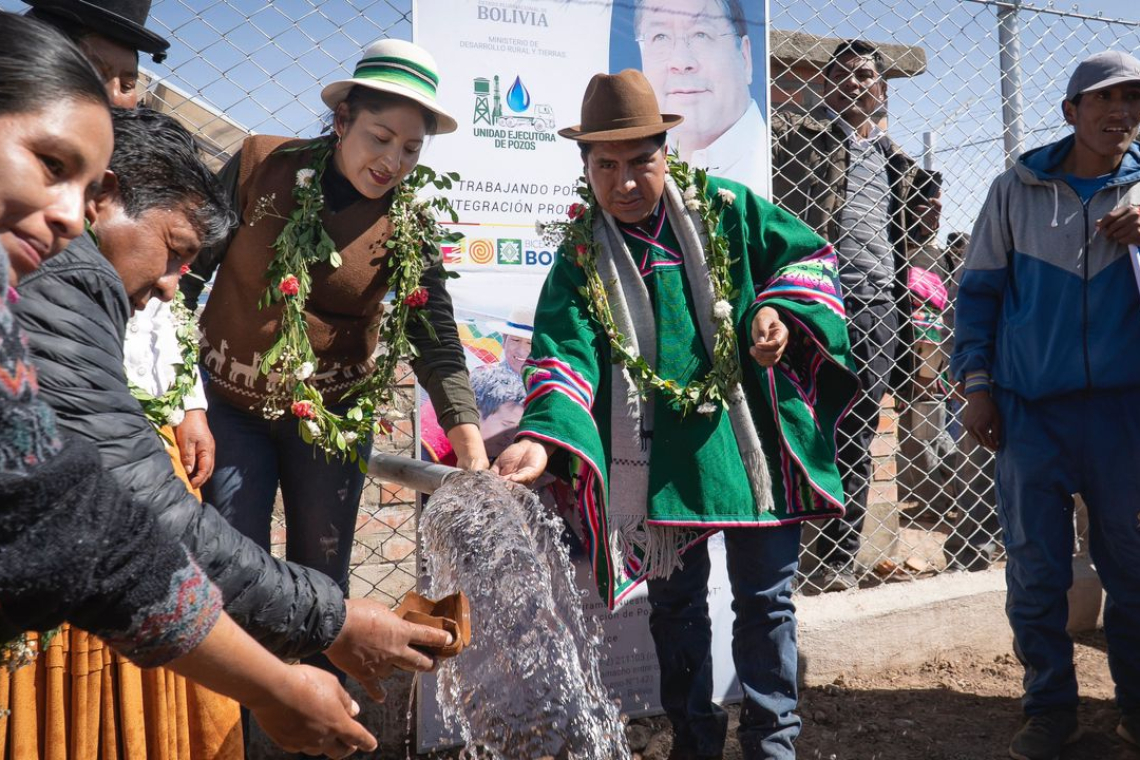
(320, 495)
(761, 565)
(873, 329)
(1086, 443)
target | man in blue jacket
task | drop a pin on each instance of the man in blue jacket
(1048, 346)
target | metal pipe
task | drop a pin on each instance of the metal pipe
(1009, 59)
(425, 477)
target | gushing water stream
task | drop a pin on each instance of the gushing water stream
(529, 685)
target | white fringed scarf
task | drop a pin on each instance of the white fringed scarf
(631, 417)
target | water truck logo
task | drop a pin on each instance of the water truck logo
(481, 251)
(522, 125)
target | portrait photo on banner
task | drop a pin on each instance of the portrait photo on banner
(707, 60)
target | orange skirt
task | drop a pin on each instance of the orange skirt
(81, 700)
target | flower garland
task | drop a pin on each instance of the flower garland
(576, 236)
(21, 651)
(167, 409)
(303, 243)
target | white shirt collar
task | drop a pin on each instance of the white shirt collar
(741, 153)
(852, 136)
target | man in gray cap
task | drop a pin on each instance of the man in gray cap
(1047, 344)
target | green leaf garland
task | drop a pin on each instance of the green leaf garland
(167, 409)
(304, 242)
(576, 237)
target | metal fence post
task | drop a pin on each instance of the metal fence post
(929, 144)
(1009, 61)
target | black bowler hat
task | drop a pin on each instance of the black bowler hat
(119, 20)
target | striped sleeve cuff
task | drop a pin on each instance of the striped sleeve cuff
(978, 380)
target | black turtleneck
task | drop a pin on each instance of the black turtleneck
(339, 192)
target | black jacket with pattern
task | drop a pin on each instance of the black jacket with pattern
(74, 311)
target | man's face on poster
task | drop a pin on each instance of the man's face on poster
(698, 65)
(516, 351)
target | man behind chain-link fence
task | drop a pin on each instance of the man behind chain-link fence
(838, 171)
(1048, 346)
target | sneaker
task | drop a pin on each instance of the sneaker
(1129, 727)
(835, 578)
(1043, 736)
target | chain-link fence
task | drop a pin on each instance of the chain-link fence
(966, 85)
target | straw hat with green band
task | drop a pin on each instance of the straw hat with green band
(401, 68)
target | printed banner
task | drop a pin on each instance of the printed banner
(512, 73)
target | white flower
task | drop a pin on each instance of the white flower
(726, 195)
(304, 372)
(693, 204)
(305, 177)
(706, 408)
(349, 438)
(177, 416)
(539, 229)
(313, 428)
(722, 310)
(690, 192)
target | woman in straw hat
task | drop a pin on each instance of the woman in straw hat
(298, 348)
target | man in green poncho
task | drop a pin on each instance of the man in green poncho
(690, 364)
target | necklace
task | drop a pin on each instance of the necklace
(167, 409)
(303, 242)
(576, 237)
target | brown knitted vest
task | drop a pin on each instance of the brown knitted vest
(344, 306)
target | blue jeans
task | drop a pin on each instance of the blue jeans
(321, 496)
(761, 565)
(1087, 443)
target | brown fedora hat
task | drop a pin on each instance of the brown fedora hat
(620, 107)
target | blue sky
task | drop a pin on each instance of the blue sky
(263, 63)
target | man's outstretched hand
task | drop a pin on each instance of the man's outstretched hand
(523, 461)
(374, 640)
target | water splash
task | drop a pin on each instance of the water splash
(529, 685)
(518, 97)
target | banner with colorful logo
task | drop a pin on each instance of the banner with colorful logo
(512, 73)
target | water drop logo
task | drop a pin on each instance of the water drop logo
(518, 97)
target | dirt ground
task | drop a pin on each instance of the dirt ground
(945, 710)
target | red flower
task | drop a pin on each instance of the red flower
(417, 299)
(581, 249)
(576, 211)
(289, 286)
(303, 410)
(183, 269)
